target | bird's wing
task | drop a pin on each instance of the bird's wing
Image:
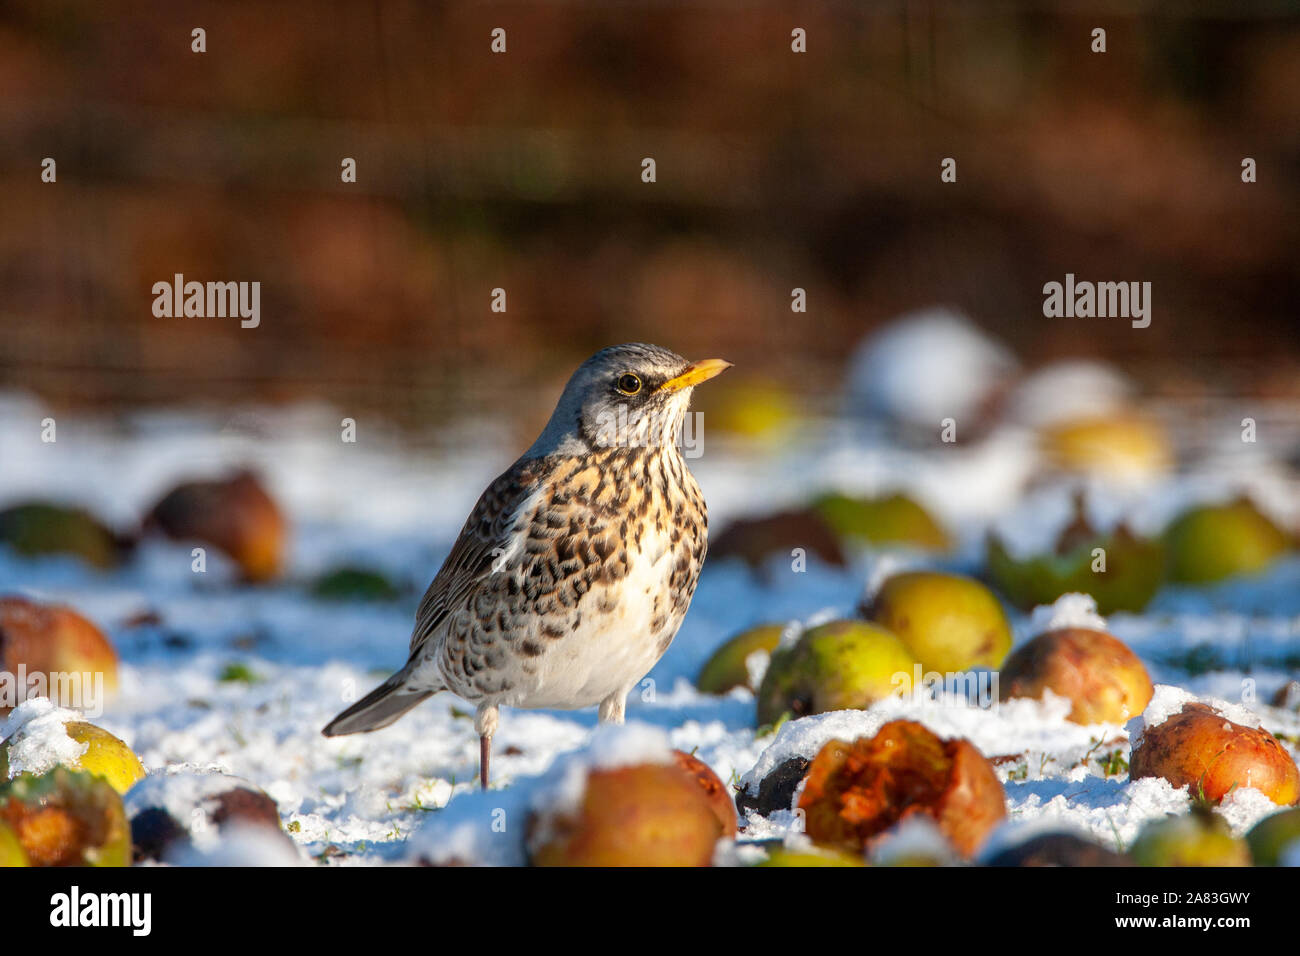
(494, 530)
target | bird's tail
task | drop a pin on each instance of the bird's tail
(379, 708)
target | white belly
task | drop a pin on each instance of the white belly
(609, 650)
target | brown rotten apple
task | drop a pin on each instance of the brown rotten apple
(1103, 679)
(1201, 749)
(719, 797)
(234, 514)
(66, 818)
(856, 791)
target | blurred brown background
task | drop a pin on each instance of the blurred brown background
(522, 171)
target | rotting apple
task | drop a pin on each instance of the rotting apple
(1103, 679)
(1201, 749)
(856, 791)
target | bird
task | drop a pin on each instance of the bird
(575, 568)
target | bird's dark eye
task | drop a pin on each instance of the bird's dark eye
(628, 384)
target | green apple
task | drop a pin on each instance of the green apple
(1213, 542)
(39, 528)
(1190, 839)
(1271, 837)
(727, 667)
(1134, 570)
(890, 520)
(840, 665)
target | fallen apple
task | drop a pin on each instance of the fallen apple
(948, 622)
(1213, 542)
(637, 815)
(11, 848)
(836, 666)
(105, 755)
(1190, 839)
(66, 818)
(234, 514)
(1104, 680)
(37, 529)
(856, 791)
(889, 520)
(63, 655)
(1121, 570)
(1200, 749)
(810, 857)
(728, 667)
(1113, 446)
(716, 791)
(1271, 838)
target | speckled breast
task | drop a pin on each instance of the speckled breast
(604, 570)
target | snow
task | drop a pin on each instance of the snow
(916, 838)
(37, 737)
(180, 789)
(626, 746)
(733, 853)
(394, 503)
(756, 664)
(1243, 807)
(1068, 611)
(1167, 700)
(791, 633)
(608, 748)
(928, 366)
(188, 793)
(1067, 391)
(240, 845)
(988, 475)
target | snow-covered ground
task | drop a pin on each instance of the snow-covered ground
(384, 504)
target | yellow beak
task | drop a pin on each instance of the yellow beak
(695, 373)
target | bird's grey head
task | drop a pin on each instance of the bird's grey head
(625, 396)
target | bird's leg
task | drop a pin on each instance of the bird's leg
(613, 707)
(485, 723)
